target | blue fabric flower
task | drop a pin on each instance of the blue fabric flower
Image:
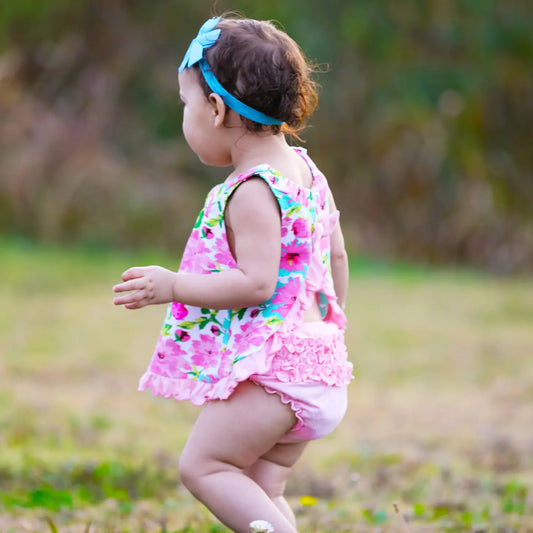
(207, 36)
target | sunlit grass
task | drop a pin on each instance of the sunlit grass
(439, 422)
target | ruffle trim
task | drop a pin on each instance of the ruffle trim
(199, 392)
(297, 355)
(287, 400)
(317, 355)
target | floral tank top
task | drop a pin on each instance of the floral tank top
(202, 354)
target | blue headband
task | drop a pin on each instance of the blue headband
(207, 36)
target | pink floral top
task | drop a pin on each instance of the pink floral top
(202, 354)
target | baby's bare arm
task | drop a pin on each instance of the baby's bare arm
(253, 215)
(339, 261)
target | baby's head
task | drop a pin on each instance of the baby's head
(264, 71)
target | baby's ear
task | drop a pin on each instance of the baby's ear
(219, 109)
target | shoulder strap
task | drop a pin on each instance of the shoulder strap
(268, 175)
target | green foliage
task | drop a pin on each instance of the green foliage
(46, 497)
(37, 485)
(423, 127)
(27, 22)
(514, 497)
(375, 517)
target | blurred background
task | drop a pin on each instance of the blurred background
(424, 132)
(423, 128)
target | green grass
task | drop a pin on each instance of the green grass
(440, 419)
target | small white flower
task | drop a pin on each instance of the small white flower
(261, 526)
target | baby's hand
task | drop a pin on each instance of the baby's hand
(146, 286)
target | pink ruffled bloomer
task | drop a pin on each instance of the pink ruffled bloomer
(312, 351)
(310, 372)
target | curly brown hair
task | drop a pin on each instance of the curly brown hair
(265, 69)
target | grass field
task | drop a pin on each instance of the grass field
(438, 437)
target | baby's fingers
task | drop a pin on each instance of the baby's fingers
(133, 273)
(135, 305)
(133, 300)
(131, 285)
(135, 289)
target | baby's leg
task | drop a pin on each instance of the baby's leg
(272, 470)
(229, 437)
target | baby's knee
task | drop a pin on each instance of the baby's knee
(194, 468)
(190, 470)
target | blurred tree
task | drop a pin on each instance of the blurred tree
(423, 127)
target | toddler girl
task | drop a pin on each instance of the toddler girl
(254, 329)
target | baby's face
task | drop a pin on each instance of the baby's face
(199, 115)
